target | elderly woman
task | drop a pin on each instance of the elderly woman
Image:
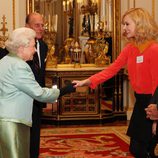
(18, 88)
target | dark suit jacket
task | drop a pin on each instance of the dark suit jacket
(40, 77)
(3, 52)
(154, 99)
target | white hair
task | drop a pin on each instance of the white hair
(19, 37)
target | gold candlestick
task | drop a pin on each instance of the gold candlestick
(3, 38)
(77, 55)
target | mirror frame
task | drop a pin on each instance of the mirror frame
(116, 34)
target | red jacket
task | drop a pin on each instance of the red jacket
(142, 65)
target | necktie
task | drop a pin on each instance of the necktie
(36, 61)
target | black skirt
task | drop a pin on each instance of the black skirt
(140, 128)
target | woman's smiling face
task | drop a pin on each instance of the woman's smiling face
(129, 27)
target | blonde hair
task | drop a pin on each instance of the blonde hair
(19, 37)
(146, 27)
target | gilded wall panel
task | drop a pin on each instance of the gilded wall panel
(7, 9)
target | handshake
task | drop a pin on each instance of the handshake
(67, 89)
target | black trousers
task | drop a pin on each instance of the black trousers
(142, 150)
(35, 131)
(142, 142)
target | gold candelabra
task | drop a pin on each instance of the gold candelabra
(76, 54)
(50, 39)
(89, 7)
(102, 58)
(68, 8)
(3, 37)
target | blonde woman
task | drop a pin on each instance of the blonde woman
(141, 57)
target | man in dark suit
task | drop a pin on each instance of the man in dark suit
(35, 22)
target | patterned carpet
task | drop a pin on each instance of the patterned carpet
(84, 142)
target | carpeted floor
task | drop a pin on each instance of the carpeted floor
(84, 142)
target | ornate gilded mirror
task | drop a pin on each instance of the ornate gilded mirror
(77, 26)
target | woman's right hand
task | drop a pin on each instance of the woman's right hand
(81, 83)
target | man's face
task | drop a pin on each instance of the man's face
(37, 24)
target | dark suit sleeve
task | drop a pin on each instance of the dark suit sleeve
(3, 52)
(154, 99)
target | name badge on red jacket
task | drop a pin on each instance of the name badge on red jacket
(140, 59)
